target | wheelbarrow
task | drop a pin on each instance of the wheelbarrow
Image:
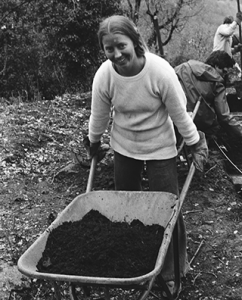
(150, 208)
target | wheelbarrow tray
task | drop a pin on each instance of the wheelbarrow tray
(149, 207)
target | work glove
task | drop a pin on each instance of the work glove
(199, 152)
(94, 149)
(238, 18)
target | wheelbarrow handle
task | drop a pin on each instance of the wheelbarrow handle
(186, 185)
(91, 174)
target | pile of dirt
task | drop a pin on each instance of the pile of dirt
(95, 246)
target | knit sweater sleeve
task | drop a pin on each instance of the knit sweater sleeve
(175, 102)
(227, 29)
(101, 103)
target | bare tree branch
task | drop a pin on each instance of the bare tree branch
(134, 10)
(173, 19)
(130, 8)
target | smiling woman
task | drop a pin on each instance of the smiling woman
(146, 97)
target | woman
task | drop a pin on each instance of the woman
(147, 98)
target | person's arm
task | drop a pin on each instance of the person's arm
(220, 103)
(176, 105)
(175, 101)
(227, 29)
(100, 107)
(100, 114)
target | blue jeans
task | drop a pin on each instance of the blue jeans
(162, 176)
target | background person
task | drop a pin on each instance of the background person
(224, 38)
(224, 33)
(147, 98)
(206, 80)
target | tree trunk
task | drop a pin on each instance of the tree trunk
(158, 36)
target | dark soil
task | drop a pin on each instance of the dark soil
(95, 246)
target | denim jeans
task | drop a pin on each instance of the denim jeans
(162, 176)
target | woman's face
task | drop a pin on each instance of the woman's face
(121, 51)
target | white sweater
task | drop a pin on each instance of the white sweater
(223, 37)
(145, 107)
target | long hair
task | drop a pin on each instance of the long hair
(124, 26)
(220, 59)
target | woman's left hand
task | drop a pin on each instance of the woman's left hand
(199, 152)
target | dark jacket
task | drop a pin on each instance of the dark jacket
(199, 79)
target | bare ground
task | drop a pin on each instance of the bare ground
(43, 168)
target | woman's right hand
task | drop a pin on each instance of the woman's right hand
(95, 149)
(91, 148)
